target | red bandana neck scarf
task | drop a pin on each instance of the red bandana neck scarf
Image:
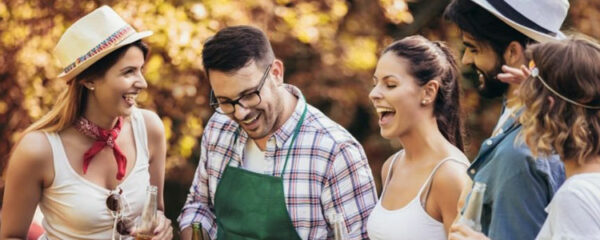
(103, 138)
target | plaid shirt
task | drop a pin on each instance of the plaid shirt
(327, 172)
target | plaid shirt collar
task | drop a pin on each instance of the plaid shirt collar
(286, 131)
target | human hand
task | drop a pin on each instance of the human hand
(513, 75)
(162, 228)
(463, 232)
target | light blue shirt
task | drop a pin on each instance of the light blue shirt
(519, 186)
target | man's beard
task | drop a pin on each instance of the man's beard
(491, 87)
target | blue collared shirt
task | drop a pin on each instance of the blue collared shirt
(519, 186)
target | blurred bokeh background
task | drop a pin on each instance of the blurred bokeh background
(329, 48)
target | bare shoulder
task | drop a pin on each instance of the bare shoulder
(33, 150)
(153, 123)
(452, 175)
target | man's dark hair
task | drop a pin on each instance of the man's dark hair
(483, 25)
(233, 48)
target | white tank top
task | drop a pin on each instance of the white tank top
(75, 208)
(410, 221)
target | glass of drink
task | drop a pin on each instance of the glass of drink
(146, 224)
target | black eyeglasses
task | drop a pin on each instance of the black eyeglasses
(247, 100)
(114, 204)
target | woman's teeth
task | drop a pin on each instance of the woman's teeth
(129, 96)
(383, 112)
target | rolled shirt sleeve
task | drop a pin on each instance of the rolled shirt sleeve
(350, 191)
(197, 207)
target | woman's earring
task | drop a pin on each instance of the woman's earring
(424, 102)
(91, 88)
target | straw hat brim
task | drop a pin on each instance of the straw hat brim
(533, 34)
(88, 62)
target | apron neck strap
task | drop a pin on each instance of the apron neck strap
(296, 131)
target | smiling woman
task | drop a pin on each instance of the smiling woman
(95, 149)
(416, 94)
(561, 116)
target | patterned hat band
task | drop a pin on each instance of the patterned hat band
(110, 41)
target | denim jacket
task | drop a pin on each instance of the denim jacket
(519, 186)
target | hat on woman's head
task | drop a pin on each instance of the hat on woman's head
(540, 20)
(92, 37)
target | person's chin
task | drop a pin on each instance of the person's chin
(124, 109)
(386, 133)
(257, 131)
(256, 134)
(125, 112)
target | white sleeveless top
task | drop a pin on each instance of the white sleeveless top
(410, 221)
(75, 208)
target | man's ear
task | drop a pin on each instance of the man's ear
(277, 70)
(514, 54)
(430, 90)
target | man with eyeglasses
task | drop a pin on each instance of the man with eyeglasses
(271, 166)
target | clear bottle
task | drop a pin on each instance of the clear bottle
(339, 227)
(472, 214)
(145, 227)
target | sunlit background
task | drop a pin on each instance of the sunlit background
(329, 48)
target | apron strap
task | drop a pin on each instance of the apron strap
(296, 131)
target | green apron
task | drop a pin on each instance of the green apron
(250, 205)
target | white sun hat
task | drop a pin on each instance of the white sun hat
(540, 20)
(92, 37)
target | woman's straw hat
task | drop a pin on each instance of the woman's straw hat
(92, 37)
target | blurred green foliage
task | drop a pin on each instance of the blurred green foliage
(329, 48)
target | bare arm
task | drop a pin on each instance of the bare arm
(186, 233)
(462, 232)
(448, 184)
(157, 147)
(462, 199)
(29, 170)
